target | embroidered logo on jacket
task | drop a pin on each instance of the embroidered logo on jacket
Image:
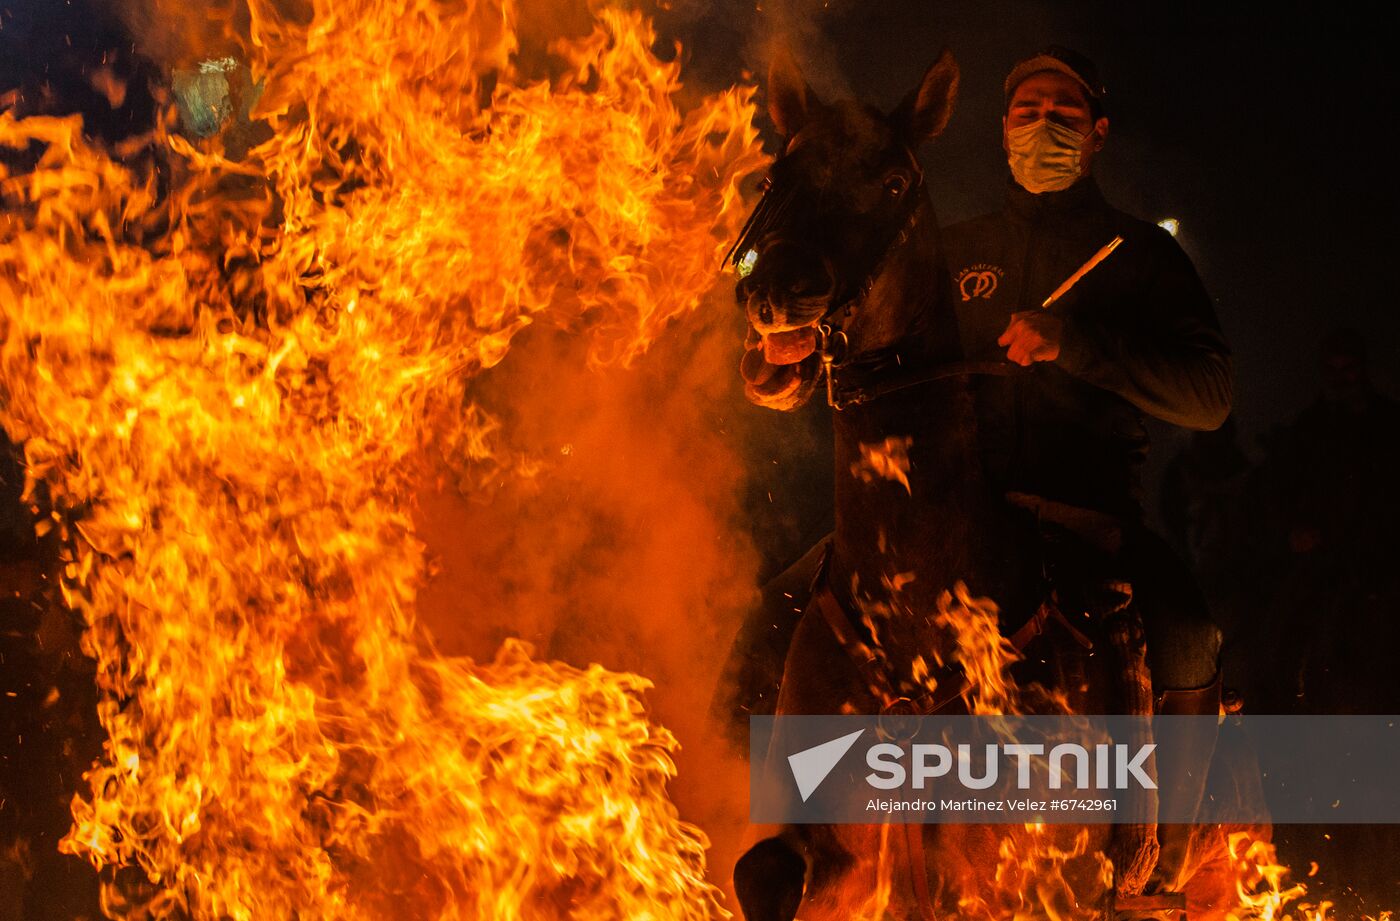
(979, 280)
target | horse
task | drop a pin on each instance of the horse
(843, 286)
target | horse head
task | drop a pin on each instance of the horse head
(826, 256)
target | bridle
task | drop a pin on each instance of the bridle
(849, 382)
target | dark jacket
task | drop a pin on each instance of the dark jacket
(1141, 337)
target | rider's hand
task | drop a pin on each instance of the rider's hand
(1032, 335)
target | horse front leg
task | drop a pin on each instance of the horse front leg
(769, 880)
(822, 871)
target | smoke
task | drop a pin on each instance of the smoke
(182, 35)
(797, 25)
(626, 547)
(755, 29)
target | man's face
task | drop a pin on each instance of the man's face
(1059, 98)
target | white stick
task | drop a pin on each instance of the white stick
(1083, 270)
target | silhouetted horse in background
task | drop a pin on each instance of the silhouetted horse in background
(843, 286)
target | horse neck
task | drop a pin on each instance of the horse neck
(907, 302)
(925, 436)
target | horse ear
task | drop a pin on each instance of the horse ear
(790, 99)
(925, 111)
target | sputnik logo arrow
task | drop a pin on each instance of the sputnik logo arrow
(810, 766)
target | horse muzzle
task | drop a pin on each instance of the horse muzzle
(790, 288)
(783, 387)
(785, 298)
(782, 357)
(787, 332)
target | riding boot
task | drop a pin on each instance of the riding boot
(1184, 753)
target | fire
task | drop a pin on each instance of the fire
(1038, 873)
(985, 655)
(227, 374)
(884, 460)
(1264, 890)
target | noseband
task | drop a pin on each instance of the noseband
(848, 382)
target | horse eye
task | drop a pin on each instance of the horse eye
(765, 184)
(895, 185)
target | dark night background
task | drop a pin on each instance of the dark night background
(1264, 128)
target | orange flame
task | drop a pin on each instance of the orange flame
(1040, 873)
(986, 656)
(225, 374)
(1264, 890)
(884, 460)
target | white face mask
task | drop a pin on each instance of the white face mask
(1044, 156)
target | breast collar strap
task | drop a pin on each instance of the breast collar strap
(850, 384)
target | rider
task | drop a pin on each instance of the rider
(1136, 335)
